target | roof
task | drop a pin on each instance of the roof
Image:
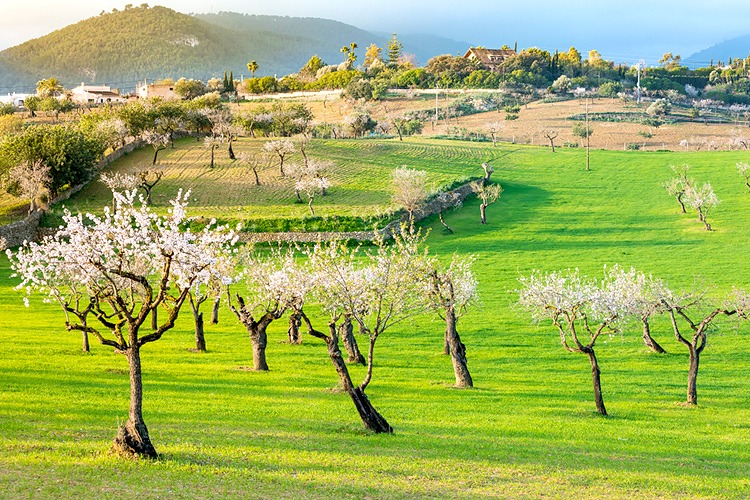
(490, 56)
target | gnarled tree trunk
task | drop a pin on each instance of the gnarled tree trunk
(457, 351)
(200, 339)
(350, 342)
(295, 321)
(371, 418)
(483, 213)
(132, 438)
(215, 311)
(692, 387)
(648, 340)
(595, 375)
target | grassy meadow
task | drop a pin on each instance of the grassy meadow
(528, 428)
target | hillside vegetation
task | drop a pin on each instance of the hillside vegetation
(124, 47)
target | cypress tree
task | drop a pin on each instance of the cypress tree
(231, 80)
(226, 82)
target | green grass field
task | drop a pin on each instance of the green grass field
(528, 429)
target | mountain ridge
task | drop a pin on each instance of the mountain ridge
(123, 47)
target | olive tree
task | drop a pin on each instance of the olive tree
(494, 129)
(581, 310)
(119, 268)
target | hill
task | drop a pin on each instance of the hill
(735, 47)
(123, 47)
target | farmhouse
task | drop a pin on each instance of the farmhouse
(95, 94)
(147, 90)
(15, 99)
(489, 58)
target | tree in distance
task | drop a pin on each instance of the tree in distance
(744, 170)
(281, 148)
(494, 129)
(678, 186)
(32, 179)
(702, 199)
(487, 194)
(252, 67)
(409, 190)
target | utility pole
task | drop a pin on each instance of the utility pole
(588, 137)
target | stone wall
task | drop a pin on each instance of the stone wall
(15, 234)
(432, 207)
(28, 229)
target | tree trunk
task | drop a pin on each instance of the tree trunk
(552, 145)
(442, 221)
(215, 311)
(132, 438)
(595, 375)
(257, 179)
(212, 157)
(350, 342)
(682, 204)
(200, 339)
(85, 336)
(156, 152)
(295, 321)
(692, 387)
(259, 340)
(154, 312)
(371, 419)
(483, 213)
(231, 150)
(310, 206)
(648, 340)
(457, 350)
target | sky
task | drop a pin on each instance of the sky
(622, 31)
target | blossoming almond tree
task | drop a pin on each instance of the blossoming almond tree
(274, 283)
(450, 290)
(580, 306)
(702, 199)
(119, 268)
(683, 309)
(379, 291)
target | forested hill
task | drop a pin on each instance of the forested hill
(123, 47)
(734, 48)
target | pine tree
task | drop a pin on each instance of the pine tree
(395, 50)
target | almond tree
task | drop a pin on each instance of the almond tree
(282, 148)
(120, 268)
(274, 284)
(487, 194)
(702, 199)
(744, 170)
(378, 292)
(211, 143)
(494, 128)
(32, 178)
(648, 294)
(580, 307)
(409, 189)
(695, 310)
(488, 171)
(157, 140)
(551, 135)
(449, 291)
(255, 163)
(678, 186)
(149, 178)
(117, 182)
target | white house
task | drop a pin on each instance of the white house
(15, 99)
(96, 94)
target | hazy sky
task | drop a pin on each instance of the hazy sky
(623, 30)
